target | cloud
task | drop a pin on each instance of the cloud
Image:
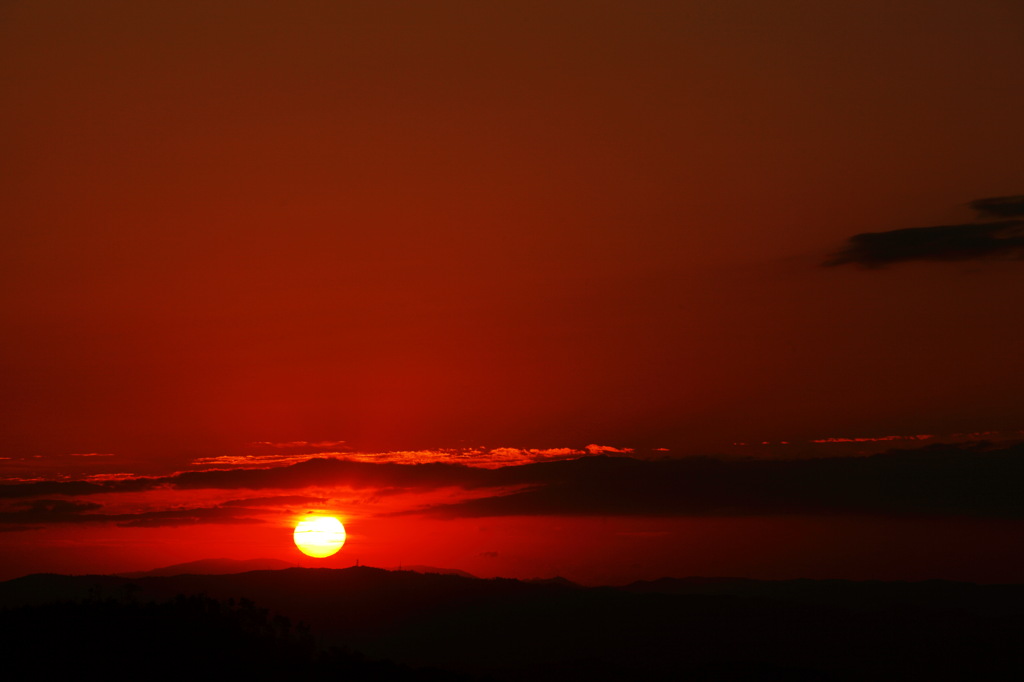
(976, 480)
(944, 480)
(180, 517)
(999, 207)
(90, 487)
(604, 449)
(251, 461)
(938, 243)
(24, 515)
(112, 477)
(18, 529)
(470, 456)
(874, 439)
(314, 472)
(47, 511)
(322, 472)
(1000, 239)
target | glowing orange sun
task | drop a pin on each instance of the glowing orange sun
(319, 536)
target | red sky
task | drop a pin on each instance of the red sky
(417, 226)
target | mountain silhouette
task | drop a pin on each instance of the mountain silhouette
(434, 569)
(213, 567)
(706, 629)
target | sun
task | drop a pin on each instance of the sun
(319, 536)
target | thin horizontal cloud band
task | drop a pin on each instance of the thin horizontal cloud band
(971, 241)
(974, 480)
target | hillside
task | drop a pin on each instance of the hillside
(720, 629)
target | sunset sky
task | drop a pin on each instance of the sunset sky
(506, 272)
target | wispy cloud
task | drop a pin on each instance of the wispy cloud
(939, 243)
(978, 480)
(971, 241)
(111, 477)
(605, 449)
(875, 439)
(999, 207)
(474, 457)
(32, 513)
(966, 479)
(251, 461)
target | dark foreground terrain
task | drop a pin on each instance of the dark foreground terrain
(370, 624)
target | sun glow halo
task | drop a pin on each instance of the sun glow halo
(319, 536)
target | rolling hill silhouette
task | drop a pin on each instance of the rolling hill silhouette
(213, 567)
(434, 569)
(709, 629)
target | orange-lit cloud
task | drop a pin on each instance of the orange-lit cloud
(111, 477)
(875, 439)
(974, 480)
(474, 457)
(250, 461)
(605, 449)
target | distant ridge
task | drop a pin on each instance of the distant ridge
(212, 567)
(557, 580)
(506, 630)
(436, 570)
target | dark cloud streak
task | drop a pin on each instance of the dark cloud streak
(999, 207)
(938, 243)
(312, 472)
(940, 480)
(28, 514)
(970, 480)
(1000, 239)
